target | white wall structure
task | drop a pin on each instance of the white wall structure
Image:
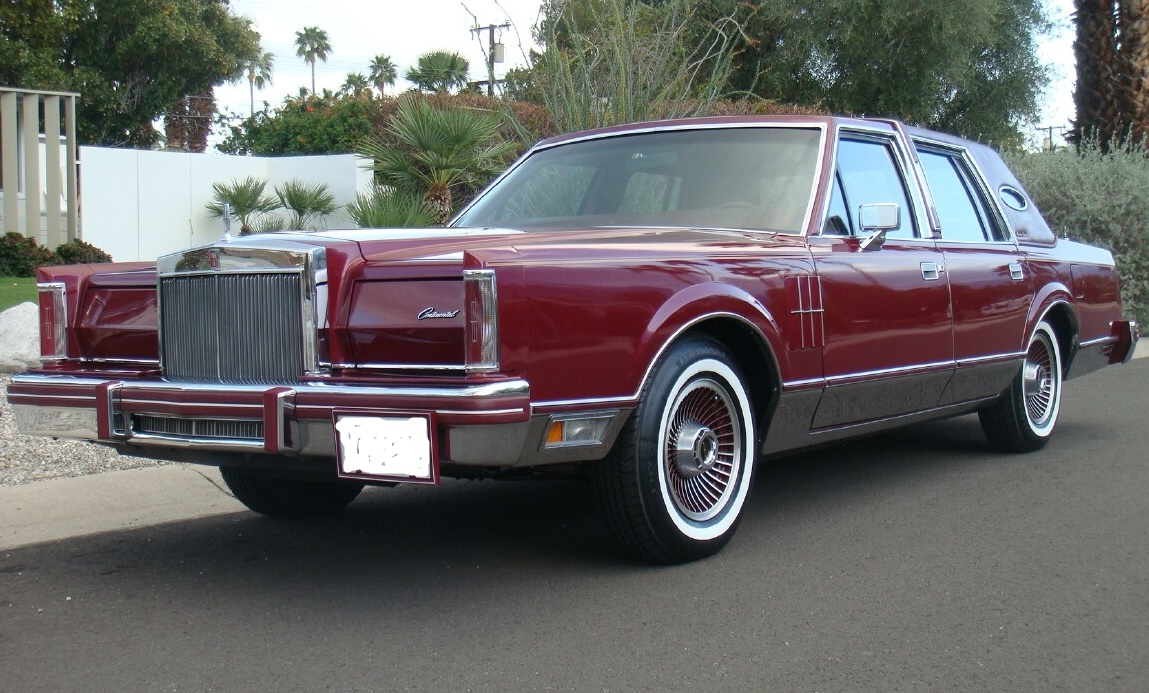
(138, 205)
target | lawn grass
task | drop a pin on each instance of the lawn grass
(16, 290)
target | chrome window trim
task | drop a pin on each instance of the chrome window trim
(821, 127)
(890, 138)
(993, 205)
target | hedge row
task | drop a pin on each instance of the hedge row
(1099, 198)
(20, 256)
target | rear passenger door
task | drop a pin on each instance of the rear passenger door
(989, 282)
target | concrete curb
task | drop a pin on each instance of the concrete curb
(62, 508)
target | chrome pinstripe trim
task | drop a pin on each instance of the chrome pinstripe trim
(891, 372)
(612, 402)
(458, 367)
(988, 359)
(77, 398)
(485, 412)
(1095, 342)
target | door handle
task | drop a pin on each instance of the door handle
(1016, 273)
(931, 271)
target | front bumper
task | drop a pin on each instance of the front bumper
(292, 420)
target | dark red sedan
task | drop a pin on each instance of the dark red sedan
(659, 306)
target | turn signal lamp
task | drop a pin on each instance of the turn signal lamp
(588, 430)
(482, 326)
(53, 320)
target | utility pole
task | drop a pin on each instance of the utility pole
(1048, 130)
(494, 51)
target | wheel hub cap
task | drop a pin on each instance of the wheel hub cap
(1038, 382)
(702, 450)
(697, 449)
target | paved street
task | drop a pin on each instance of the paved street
(913, 561)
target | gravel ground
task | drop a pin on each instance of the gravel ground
(24, 459)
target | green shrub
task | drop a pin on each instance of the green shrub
(1100, 199)
(80, 252)
(20, 256)
(389, 208)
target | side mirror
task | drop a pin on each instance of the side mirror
(877, 219)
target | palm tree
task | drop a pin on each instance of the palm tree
(1112, 51)
(434, 150)
(258, 70)
(386, 208)
(383, 72)
(1095, 96)
(439, 71)
(305, 201)
(355, 85)
(247, 201)
(312, 44)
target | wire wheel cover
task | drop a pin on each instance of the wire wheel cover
(1040, 381)
(702, 452)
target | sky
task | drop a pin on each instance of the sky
(358, 30)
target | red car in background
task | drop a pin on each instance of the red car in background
(659, 306)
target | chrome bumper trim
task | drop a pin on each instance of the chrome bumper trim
(503, 388)
(99, 414)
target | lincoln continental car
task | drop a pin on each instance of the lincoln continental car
(658, 307)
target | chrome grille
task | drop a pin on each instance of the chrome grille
(231, 429)
(232, 328)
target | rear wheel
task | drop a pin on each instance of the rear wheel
(278, 497)
(1024, 418)
(674, 486)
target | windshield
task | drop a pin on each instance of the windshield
(758, 178)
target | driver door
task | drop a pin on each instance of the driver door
(889, 340)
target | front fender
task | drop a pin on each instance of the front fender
(692, 307)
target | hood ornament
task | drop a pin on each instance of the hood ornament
(226, 209)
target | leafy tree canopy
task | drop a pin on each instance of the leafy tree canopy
(130, 61)
(324, 124)
(965, 66)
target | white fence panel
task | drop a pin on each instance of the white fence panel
(138, 205)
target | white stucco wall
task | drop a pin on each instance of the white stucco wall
(138, 205)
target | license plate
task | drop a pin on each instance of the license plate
(386, 448)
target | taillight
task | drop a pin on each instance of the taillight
(482, 320)
(53, 320)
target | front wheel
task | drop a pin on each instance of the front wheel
(278, 497)
(1024, 418)
(674, 486)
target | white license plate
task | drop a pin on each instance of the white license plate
(386, 448)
